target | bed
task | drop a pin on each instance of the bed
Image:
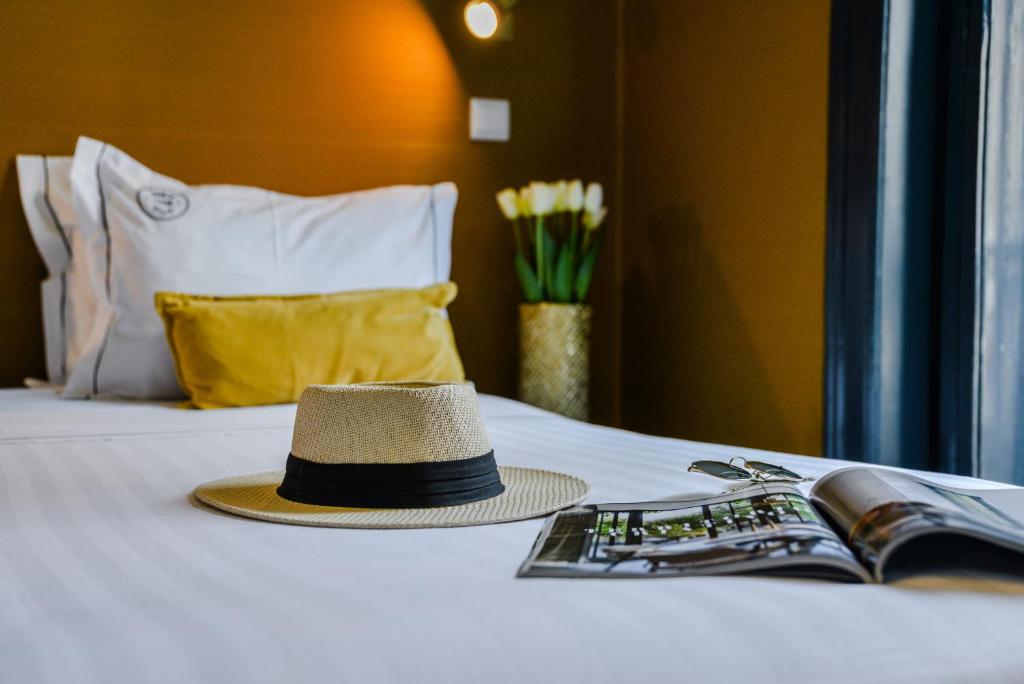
(111, 572)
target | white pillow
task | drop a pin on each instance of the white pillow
(144, 232)
(68, 301)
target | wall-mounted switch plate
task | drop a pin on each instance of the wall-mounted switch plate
(488, 119)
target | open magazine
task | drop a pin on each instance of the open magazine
(858, 525)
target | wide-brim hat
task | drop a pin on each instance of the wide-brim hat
(392, 455)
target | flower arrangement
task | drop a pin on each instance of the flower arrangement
(558, 237)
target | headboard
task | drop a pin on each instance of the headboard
(311, 98)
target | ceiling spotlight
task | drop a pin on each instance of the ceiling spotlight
(481, 18)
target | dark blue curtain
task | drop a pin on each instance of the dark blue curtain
(924, 338)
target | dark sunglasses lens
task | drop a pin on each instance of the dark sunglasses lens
(722, 470)
(773, 470)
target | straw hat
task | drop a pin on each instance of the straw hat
(392, 455)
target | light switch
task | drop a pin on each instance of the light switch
(488, 119)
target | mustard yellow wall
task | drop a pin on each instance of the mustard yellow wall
(724, 226)
(710, 115)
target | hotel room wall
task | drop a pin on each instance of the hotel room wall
(312, 98)
(724, 226)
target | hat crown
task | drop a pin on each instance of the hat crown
(389, 423)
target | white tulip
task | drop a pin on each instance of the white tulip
(594, 198)
(593, 219)
(525, 204)
(542, 198)
(508, 202)
(574, 196)
(561, 189)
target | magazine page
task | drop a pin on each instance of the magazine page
(900, 524)
(767, 528)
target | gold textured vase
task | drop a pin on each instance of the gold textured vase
(554, 357)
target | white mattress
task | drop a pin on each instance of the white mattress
(110, 573)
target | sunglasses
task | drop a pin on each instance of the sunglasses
(747, 471)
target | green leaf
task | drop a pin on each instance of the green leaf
(586, 270)
(563, 275)
(527, 279)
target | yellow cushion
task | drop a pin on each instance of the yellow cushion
(245, 351)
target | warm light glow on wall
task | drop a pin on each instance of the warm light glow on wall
(481, 18)
(368, 87)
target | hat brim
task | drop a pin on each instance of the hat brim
(529, 492)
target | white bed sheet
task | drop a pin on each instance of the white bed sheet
(110, 573)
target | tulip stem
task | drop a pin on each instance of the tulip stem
(574, 242)
(519, 238)
(539, 230)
